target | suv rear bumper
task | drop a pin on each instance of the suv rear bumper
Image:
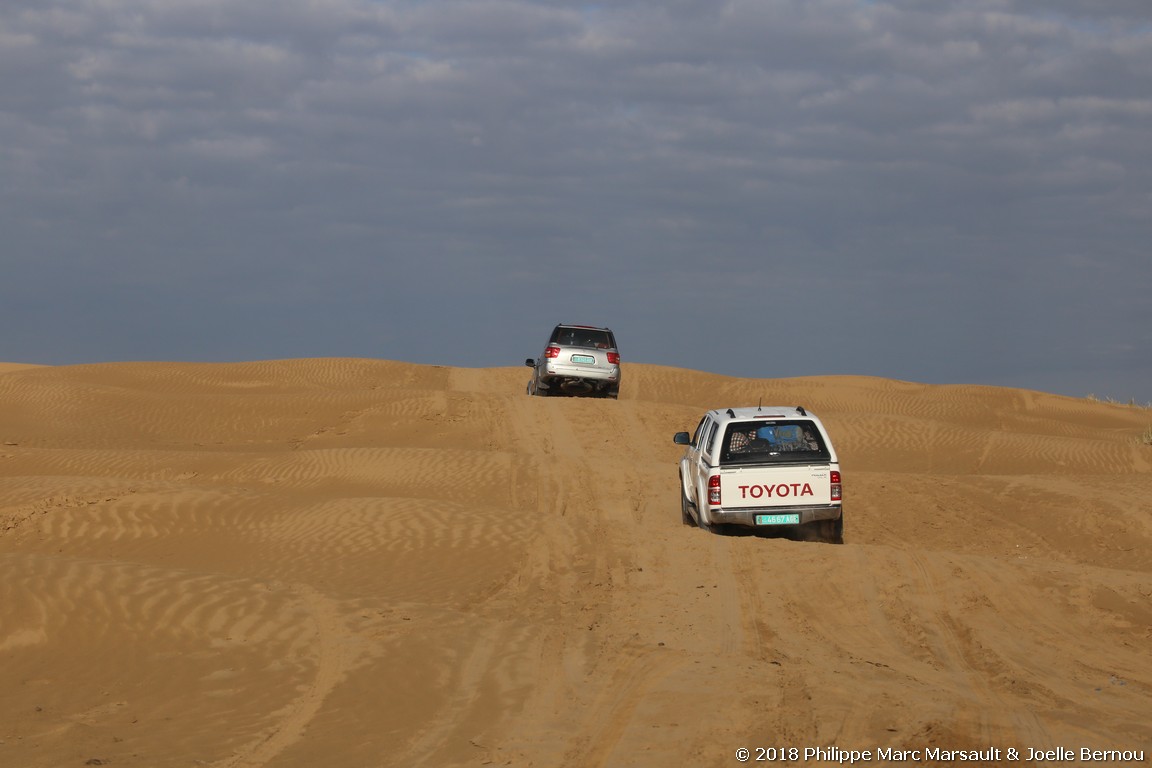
(583, 372)
(580, 379)
(573, 385)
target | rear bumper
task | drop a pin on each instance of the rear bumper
(581, 372)
(747, 515)
(580, 379)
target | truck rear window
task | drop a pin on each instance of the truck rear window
(764, 442)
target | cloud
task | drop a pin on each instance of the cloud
(862, 171)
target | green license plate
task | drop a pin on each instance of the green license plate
(793, 519)
(583, 359)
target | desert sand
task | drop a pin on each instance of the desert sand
(344, 562)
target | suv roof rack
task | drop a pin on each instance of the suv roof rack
(581, 325)
(801, 411)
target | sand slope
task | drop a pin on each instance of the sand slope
(365, 563)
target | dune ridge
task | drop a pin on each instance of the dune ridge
(355, 562)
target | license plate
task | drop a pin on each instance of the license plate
(793, 519)
(583, 359)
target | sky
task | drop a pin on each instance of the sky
(938, 192)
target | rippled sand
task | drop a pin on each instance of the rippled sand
(348, 563)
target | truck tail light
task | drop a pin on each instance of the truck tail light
(714, 490)
(836, 490)
(552, 351)
(614, 358)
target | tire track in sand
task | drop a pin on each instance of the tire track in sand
(998, 717)
(334, 659)
(594, 676)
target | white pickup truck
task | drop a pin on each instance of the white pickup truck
(762, 467)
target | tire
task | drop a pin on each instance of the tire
(685, 507)
(832, 531)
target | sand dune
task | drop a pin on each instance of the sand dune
(365, 563)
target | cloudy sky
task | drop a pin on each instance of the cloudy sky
(940, 192)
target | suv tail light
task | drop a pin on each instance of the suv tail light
(714, 490)
(614, 358)
(836, 490)
(552, 351)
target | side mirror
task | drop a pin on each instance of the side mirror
(530, 363)
(682, 438)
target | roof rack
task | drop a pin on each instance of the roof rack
(801, 411)
(732, 413)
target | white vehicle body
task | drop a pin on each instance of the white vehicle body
(763, 467)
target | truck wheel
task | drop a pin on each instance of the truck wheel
(685, 506)
(832, 531)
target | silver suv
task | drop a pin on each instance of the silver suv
(578, 360)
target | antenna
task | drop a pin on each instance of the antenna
(759, 404)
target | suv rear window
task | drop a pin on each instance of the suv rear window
(596, 338)
(760, 442)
